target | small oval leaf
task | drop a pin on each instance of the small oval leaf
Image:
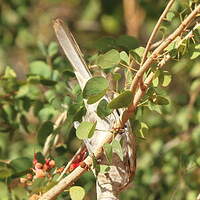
(21, 164)
(77, 193)
(102, 109)
(109, 59)
(40, 68)
(121, 101)
(45, 130)
(95, 88)
(124, 56)
(117, 148)
(108, 151)
(161, 100)
(85, 130)
(166, 79)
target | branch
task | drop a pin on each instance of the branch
(128, 112)
(61, 118)
(155, 30)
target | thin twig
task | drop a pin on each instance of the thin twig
(71, 161)
(61, 118)
(155, 30)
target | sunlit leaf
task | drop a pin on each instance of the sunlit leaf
(109, 59)
(124, 56)
(167, 77)
(117, 148)
(77, 193)
(196, 52)
(104, 168)
(85, 130)
(95, 89)
(40, 68)
(4, 191)
(108, 151)
(116, 76)
(9, 73)
(52, 49)
(5, 170)
(121, 101)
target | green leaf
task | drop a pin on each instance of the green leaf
(155, 82)
(117, 148)
(160, 100)
(127, 42)
(38, 185)
(95, 89)
(141, 128)
(195, 85)
(195, 71)
(39, 157)
(154, 107)
(52, 49)
(108, 151)
(40, 68)
(170, 16)
(85, 130)
(102, 109)
(196, 52)
(29, 90)
(167, 77)
(137, 53)
(5, 170)
(9, 73)
(104, 168)
(124, 56)
(121, 101)
(21, 164)
(77, 193)
(105, 44)
(110, 23)
(116, 76)
(109, 59)
(95, 98)
(4, 191)
(45, 130)
(20, 192)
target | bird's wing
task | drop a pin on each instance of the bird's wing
(72, 52)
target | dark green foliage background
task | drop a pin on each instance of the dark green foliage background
(168, 159)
